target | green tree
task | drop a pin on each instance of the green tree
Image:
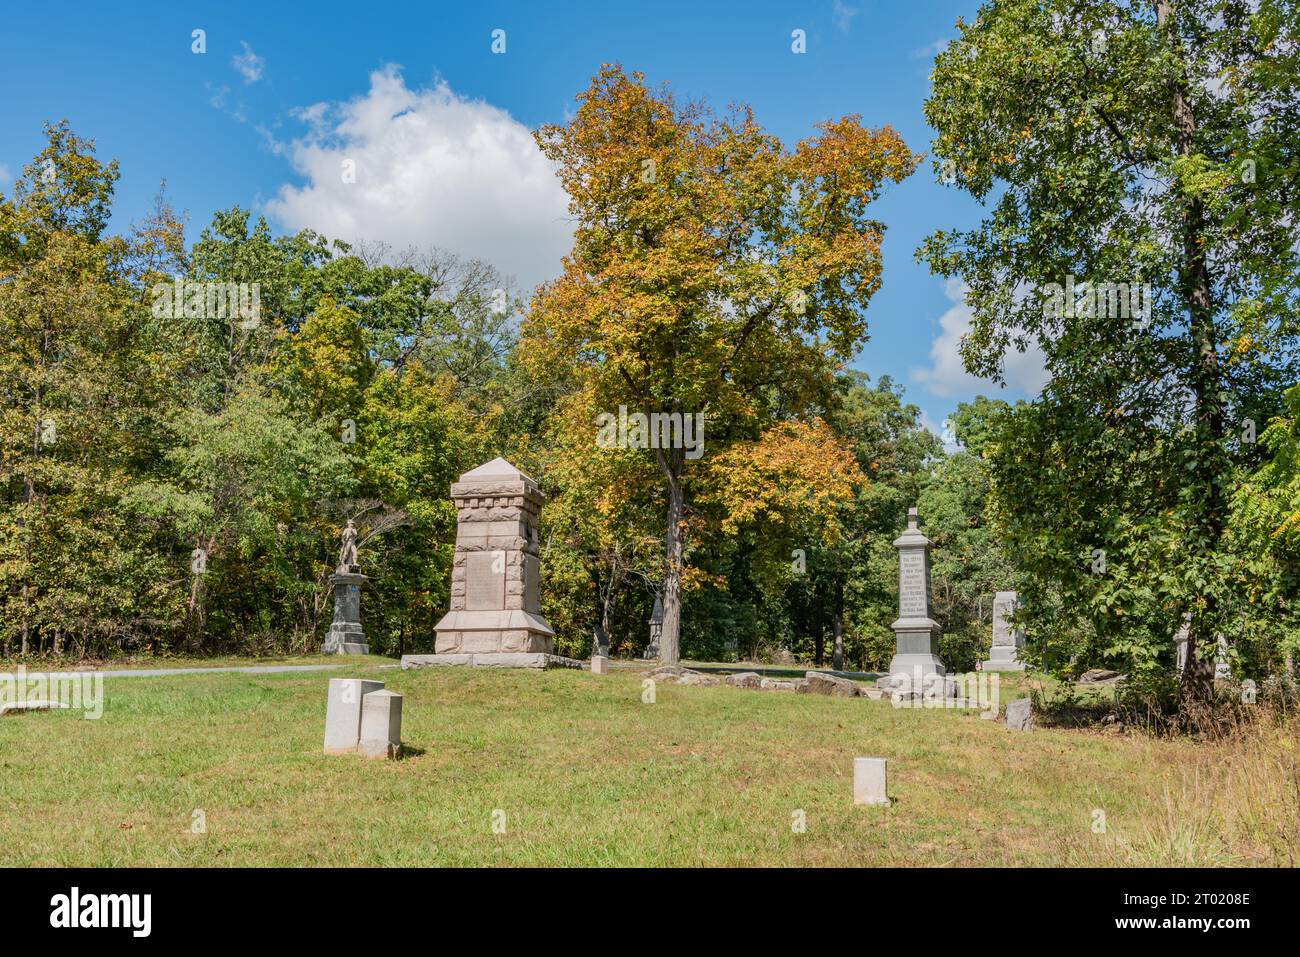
(712, 271)
(1151, 145)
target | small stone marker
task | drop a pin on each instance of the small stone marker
(599, 665)
(1020, 715)
(343, 715)
(869, 782)
(381, 725)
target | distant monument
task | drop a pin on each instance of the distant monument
(1222, 660)
(916, 633)
(1007, 640)
(346, 636)
(1181, 638)
(656, 629)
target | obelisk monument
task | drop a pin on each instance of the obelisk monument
(916, 633)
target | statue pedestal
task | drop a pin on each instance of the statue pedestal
(916, 641)
(345, 636)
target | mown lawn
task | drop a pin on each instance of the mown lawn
(584, 774)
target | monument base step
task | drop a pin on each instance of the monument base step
(992, 665)
(495, 660)
(347, 648)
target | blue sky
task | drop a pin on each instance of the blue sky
(436, 123)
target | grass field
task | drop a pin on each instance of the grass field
(584, 773)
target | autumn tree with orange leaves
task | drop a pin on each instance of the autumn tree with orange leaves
(713, 271)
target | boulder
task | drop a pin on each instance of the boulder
(1020, 715)
(817, 682)
(745, 679)
(667, 670)
(695, 678)
(772, 684)
(1095, 676)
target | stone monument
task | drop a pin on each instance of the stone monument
(656, 629)
(916, 633)
(1181, 637)
(346, 636)
(496, 609)
(1222, 659)
(1007, 640)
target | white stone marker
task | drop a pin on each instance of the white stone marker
(599, 665)
(343, 715)
(381, 725)
(869, 782)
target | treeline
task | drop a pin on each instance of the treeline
(187, 427)
(177, 465)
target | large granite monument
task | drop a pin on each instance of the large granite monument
(1007, 639)
(495, 600)
(346, 636)
(496, 609)
(916, 633)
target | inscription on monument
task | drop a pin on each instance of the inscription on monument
(532, 581)
(913, 589)
(485, 581)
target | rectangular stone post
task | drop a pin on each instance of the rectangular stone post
(381, 725)
(343, 713)
(869, 782)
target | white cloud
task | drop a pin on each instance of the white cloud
(843, 15)
(942, 431)
(4, 173)
(946, 376)
(431, 168)
(931, 49)
(248, 63)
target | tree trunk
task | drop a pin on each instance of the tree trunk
(674, 550)
(1208, 473)
(600, 626)
(837, 626)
